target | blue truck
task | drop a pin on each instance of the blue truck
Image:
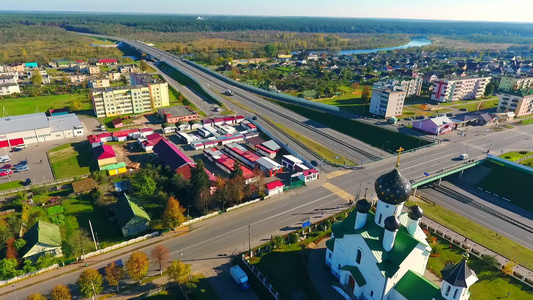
(240, 277)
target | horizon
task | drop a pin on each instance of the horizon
(455, 10)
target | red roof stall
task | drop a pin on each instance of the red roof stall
(218, 121)
(229, 120)
(309, 175)
(239, 119)
(244, 155)
(274, 187)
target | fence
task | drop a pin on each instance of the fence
(277, 96)
(23, 276)
(523, 158)
(114, 247)
(187, 223)
(243, 204)
(44, 184)
(261, 278)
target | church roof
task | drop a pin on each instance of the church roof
(356, 274)
(392, 187)
(414, 286)
(388, 262)
(459, 274)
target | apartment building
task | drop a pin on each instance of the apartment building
(511, 83)
(99, 83)
(158, 88)
(520, 102)
(451, 90)
(387, 100)
(412, 86)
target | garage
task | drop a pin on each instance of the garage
(4, 144)
(16, 142)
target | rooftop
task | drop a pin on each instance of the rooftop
(64, 122)
(414, 286)
(23, 123)
(144, 79)
(125, 210)
(43, 233)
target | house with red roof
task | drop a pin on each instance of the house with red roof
(105, 155)
(107, 61)
(94, 140)
(239, 119)
(274, 187)
(308, 175)
(117, 122)
(169, 155)
(151, 141)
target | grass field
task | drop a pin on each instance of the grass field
(98, 41)
(509, 183)
(26, 105)
(477, 105)
(72, 160)
(362, 131)
(492, 284)
(10, 185)
(477, 233)
(514, 156)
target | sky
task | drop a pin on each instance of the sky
(470, 10)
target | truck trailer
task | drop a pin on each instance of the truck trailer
(240, 277)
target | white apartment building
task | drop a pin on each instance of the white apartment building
(412, 87)
(8, 78)
(99, 83)
(387, 100)
(451, 90)
(511, 83)
(9, 88)
(519, 102)
(158, 88)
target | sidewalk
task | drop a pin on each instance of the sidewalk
(319, 275)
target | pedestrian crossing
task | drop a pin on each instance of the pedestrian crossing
(337, 173)
(338, 191)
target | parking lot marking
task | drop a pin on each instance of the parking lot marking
(338, 191)
(337, 173)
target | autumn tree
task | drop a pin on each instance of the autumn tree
(178, 270)
(90, 283)
(508, 268)
(137, 266)
(144, 65)
(113, 274)
(36, 296)
(160, 257)
(60, 292)
(36, 78)
(173, 215)
(366, 94)
(200, 186)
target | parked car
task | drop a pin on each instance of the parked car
(463, 109)
(22, 168)
(21, 146)
(314, 163)
(5, 172)
(21, 163)
(7, 167)
(28, 181)
(408, 119)
(450, 115)
(4, 158)
(16, 149)
(420, 117)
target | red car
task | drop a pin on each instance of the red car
(5, 172)
(7, 167)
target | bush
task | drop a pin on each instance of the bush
(320, 227)
(58, 219)
(38, 190)
(293, 238)
(55, 210)
(327, 223)
(99, 176)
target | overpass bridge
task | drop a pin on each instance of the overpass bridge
(446, 171)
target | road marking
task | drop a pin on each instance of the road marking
(337, 173)
(338, 191)
(479, 214)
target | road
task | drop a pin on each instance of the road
(210, 240)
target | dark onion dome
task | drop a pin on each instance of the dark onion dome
(392, 223)
(363, 206)
(392, 188)
(457, 274)
(415, 212)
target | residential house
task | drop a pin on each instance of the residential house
(42, 238)
(9, 88)
(106, 61)
(8, 78)
(78, 78)
(436, 126)
(105, 155)
(177, 114)
(99, 83)
(131, 218)
(308, 175)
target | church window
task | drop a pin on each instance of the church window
(358, 257)
(371, 293)
(455, 293)
(448, 290)
(329, 255)
(379, 219)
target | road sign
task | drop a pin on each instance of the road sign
(306, 224)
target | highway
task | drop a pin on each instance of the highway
(228, 233)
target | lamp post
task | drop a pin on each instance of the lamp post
(15, 292)
(383, 145)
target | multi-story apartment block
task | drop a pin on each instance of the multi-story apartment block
(145, 95)
(99, 83)
(8, 78)
(520, 102)
(412, 86)
(158, 88)
(450, 90)
(387, 100)
(511, 83)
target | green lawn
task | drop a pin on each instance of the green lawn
(10, 185)
(478, 233)
(509, 183)
(352, 104)
(202, 291)
(98, 41)
(473, 106)
(28, 105)
(492, 283)
(364, 132)
(514, 156)
(71, 160)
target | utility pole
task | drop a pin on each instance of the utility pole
(250, 239)
(92, 232)
(15, 292)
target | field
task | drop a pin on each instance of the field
(10, 185)
(477, 105)
(480, 234)
(71, 160)
(509, 183)
(98, 41)
(20, 106)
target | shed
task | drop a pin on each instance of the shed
(274, 187)
(117, 123)
(131, 219)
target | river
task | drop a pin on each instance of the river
(412, 43)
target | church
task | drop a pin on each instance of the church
(383, 254)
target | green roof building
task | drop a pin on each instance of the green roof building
(43, 238)
(131, 218)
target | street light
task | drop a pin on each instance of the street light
(15, 292)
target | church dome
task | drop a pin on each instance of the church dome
(363, 206)
(392, 223)
(392, 188)
(415, 212)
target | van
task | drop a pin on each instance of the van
(21, 168)
(463, 156)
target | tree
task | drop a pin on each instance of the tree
(90, 283)
(160, 256)
(489, 89)
(28, 266)
(278, 241)
(237, 171)
(271, 50)
(200, 186)
(144, 185)
(8, 268)
(19, 243)
(508, 268)
(178, 270)
(60, 292)
(137, 266)
(36, 296)
(488, 262)
(173, 214)
(365, 96)
(235, 189)
(144, 65)
(113, 274)
(45, 261)
(36, 78)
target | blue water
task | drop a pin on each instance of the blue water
(412, 43)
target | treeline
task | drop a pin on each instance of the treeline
(173, 23)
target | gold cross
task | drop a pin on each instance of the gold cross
(399, 154)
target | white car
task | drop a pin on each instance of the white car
(4, 158)
(21, 146)
(22, 168)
